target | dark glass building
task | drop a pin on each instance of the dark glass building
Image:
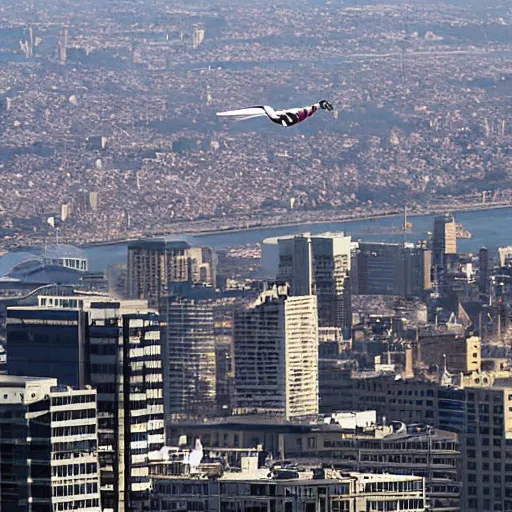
(45, 342)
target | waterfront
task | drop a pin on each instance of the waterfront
(492, 228)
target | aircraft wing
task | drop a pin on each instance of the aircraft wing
(243, 112)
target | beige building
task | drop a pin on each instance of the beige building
(276, 355)
(458, 352)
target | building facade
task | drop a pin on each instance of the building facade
(487, 449)
(48, 446)
(320, 265)
(381, 268)
(396, 449)
(189, 355)
(33, 331)
(263, 489)
(124, 363)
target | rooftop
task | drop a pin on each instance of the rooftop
(159, 244)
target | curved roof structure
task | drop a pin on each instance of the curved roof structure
(32, 259)
(12, 260)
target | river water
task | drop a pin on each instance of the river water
(492, 228)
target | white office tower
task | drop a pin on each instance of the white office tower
(48, 446)
(276, 355)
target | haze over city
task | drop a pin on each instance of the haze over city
(118, 103)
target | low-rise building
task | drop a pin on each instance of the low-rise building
(366, 447)
(207, 486)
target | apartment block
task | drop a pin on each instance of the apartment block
(276, 355)
(155, 265)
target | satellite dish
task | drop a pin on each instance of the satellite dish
(196, 456)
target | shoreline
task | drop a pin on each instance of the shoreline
(324, 220)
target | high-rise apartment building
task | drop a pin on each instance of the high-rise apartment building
(48, 446)
(188, 341)
(276, 355)
(444, 243)
(124, 363)
(320, 266)
(154, 265)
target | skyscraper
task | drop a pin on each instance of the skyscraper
(123, 355)
(483, 270)
(189, 355)
(154, 265)
(319, 265)
(276, 355)
(48, 446)
(444, 240)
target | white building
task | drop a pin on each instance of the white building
(276, 355)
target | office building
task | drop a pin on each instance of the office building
(188, 343)
(380, 268)
(154, 265)
(48, 446)
(276, 355)
(48, 342)
(320, 266)
(124, 363)
(444, 243)
(487, 449)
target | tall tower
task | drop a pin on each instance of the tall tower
(276, 355)
(63, 46)
(444, 240)
(189, 355)
(320, 265)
